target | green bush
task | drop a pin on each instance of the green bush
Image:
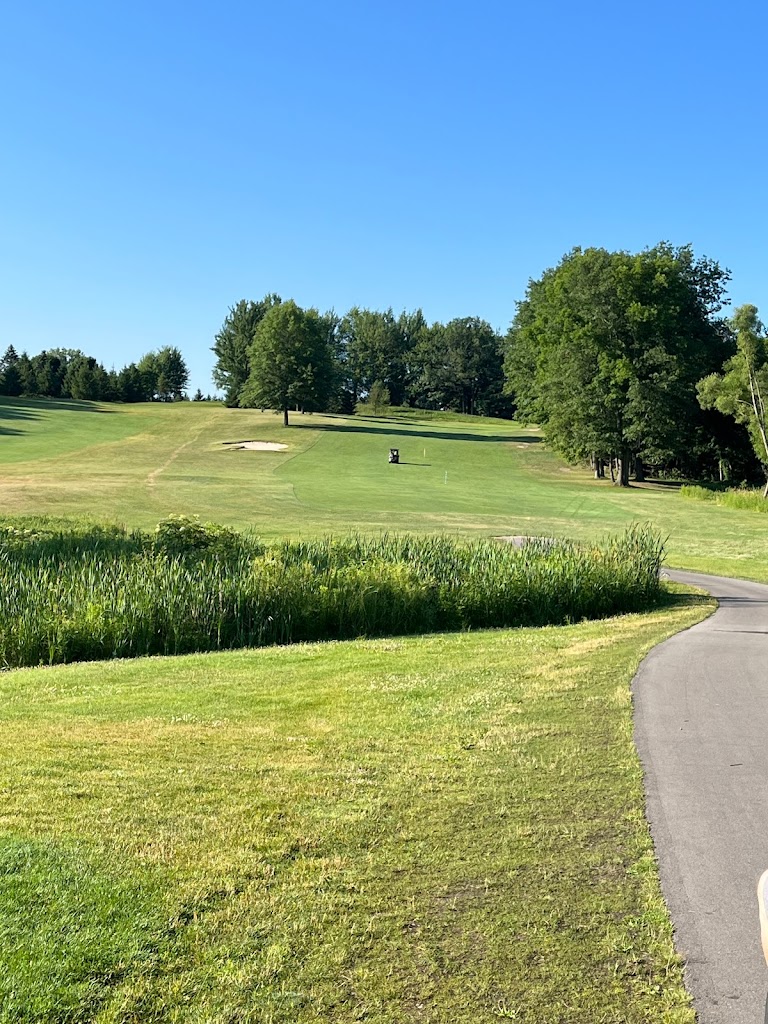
(182, 535)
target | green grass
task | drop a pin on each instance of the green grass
(440, 829)
(137, 464)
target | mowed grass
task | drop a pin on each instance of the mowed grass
(434, 829)
(137, 464)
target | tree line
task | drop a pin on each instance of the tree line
(624, 359)
(274, 354)
(160, 376)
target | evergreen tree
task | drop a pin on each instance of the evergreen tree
(10, 378)
(233, 343)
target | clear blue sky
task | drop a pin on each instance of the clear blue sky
(159, 162)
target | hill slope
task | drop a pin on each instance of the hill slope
(138, 463)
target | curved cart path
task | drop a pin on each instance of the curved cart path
(701, 729)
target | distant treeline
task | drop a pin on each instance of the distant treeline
(160, 376)
(274, 354)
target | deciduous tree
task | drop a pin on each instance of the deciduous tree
(291, 361)
(233, 343)
(741, 390)
(606, 348)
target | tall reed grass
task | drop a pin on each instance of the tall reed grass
(743, 498)
(101, 594)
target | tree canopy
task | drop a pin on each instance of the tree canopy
(741, 389)
(164, 374)
(233, 343)
(70, 373)
(460, 366)
(291, 361)
(606, 349)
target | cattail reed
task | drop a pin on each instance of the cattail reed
(98, 594)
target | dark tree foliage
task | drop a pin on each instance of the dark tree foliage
(164, 375)
(70, 373)
(377, 347)
(233, 343)
(606, 349)
(10, 376)
(291, 361)
(460, 367)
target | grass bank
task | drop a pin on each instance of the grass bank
(446, 829)
(99, 594)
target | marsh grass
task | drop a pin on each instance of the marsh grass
(746, 499)
(104, 593)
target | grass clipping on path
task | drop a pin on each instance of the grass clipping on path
(436, 829)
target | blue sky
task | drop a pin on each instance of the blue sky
(159, 162)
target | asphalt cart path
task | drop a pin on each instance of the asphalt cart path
(701, 730)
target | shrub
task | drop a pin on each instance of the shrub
(182, 535)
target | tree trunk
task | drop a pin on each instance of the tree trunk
(599, 469)
(622, 478)
(765, 490)
(613, 470)
(285, 416)
(624, 470)
(639, 470)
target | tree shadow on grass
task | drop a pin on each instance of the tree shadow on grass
(30, 408)
(24, 410)
(16, 412)
(388, 429)
(675, 599)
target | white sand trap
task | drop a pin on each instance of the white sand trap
(256, 446)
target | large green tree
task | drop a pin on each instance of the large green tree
(10, 378)
(164, 374)
(460, 367)
(233, 343)
(376, 348)
(291, 361)
(606, 349)
(741, 389)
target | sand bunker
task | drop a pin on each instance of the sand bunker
(256, 446)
